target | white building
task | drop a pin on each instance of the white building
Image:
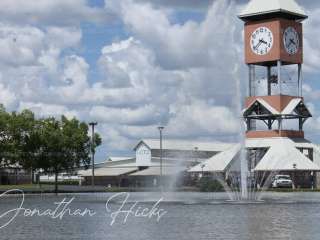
(177, 157)
(210, 158)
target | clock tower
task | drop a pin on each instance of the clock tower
(273, 40)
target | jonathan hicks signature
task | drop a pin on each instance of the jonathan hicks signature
(118, 207)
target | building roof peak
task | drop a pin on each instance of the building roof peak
(261, 9)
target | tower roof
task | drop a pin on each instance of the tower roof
(262, 9)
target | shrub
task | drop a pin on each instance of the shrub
(210, 185)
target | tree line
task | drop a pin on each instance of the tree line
(48, 145)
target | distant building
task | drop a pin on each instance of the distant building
(186, 161)
(268, 157)
(14, 174)
(113, 172)
(145, 169)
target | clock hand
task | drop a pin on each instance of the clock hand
(264, 42)
(258, 44)
(292, 41)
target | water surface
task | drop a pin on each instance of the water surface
(189, 216)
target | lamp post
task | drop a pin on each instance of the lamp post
(160, 132)
(202, 166)
(92, 124)
(294, 175)
(195, 155)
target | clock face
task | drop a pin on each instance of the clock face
(261, 41)
(291, 40)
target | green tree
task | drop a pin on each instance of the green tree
(50, 145)
(65, 145)
(4, 136)
(24, 138)
(96, 142)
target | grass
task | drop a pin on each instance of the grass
(28, 188)
(20, 186)
(292, 190)
(49, 188)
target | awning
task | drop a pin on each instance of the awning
(218, 162)
(108, 172)
(294, 107)
(263, 104)
(155, 171)
(291, 106)
(284, 156)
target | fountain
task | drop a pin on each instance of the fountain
(244, 176)
(251, 176)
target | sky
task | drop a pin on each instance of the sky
(132, 65)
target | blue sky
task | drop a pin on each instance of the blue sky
(132, 65)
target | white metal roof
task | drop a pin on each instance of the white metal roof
(116, 159)
(155, 171)
(130, 164)
(185, 145)
(316, 154)
(218, 162)
(260, 7)
(108, 171)
(296, 142)
(289, 109)
(266, 105)
(291, 106)
(117, 162)
(284, 156)
(268, 142)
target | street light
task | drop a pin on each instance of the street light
(160, 128)
(202, 166)
(294, 175)
(195, 155)
(92, 124)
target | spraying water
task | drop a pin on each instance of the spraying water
(244, 174)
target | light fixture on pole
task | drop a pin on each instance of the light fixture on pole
(202, 167)
(92, 124)
(160, 128)
(195, 155)
(294, 166)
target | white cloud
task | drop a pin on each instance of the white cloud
(182, 4)
(7, 97)
(174, 72)
(31, 60)
(64, 37)
(199, 119)
(116, 141)
(178, 74)
(75, 77)
(48, 110)
(145, 115)
(57, 12)
(20, 45)
(182, 46)
(132, 77)
(311, 42)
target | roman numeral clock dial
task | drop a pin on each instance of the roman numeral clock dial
(261, 41)
(291, 40)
